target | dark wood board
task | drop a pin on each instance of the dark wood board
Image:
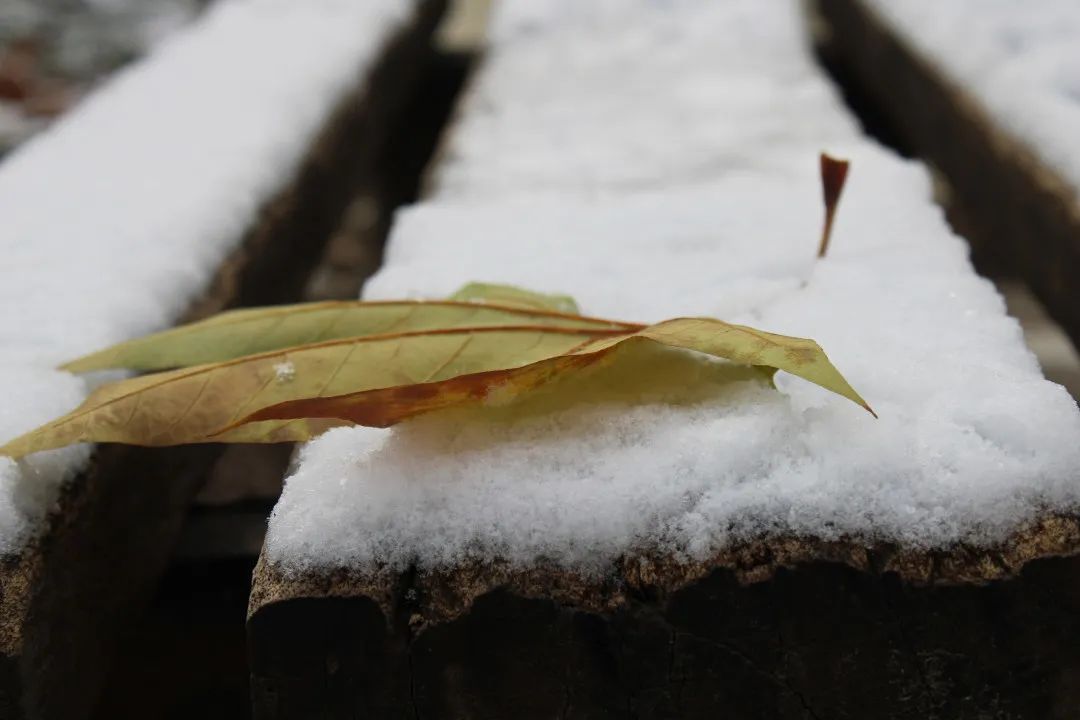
(774, 629)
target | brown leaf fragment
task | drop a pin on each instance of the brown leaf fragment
(833, 176)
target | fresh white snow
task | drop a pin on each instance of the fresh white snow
(656, 159)
(1019, 60)
(619, 96)
(116, 218)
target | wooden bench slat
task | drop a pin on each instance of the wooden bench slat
(72, 587)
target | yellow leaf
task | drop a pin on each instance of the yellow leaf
(379, 380)
(386, 406)
(190, 404)
(256, 330)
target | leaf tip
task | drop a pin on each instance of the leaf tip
(11, 449)
(85, 363)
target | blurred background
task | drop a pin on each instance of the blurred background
(53, 51)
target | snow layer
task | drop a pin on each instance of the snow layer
(971, 443)
(1020, 60)
(661, 161)
(116, 218)
(613, 96)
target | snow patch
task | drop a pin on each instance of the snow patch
(1019, 61)
(606, 97)
(657, 159)
(116, 217)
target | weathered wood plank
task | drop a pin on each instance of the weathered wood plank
(773, 630)
(64, 600)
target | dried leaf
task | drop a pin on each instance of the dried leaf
(383, 407)
(250, 331)
(188, 405)
(512, 296)
(380, 380)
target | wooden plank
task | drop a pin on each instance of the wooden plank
(1019, 215)
(782, 629)
(65, 598)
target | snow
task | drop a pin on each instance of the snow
(284, 372)
(115, 219)
(619, 171)
(971, 443)
(626, 96)
(15, 126)
(1020, 62)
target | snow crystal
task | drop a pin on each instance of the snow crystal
(284, 372)
(1020, 61)
(656, 159)
(116, 217)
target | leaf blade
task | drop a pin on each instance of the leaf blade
(190, 404)
(737, 343)
(252, 331)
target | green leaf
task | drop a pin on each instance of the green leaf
(509, 295)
